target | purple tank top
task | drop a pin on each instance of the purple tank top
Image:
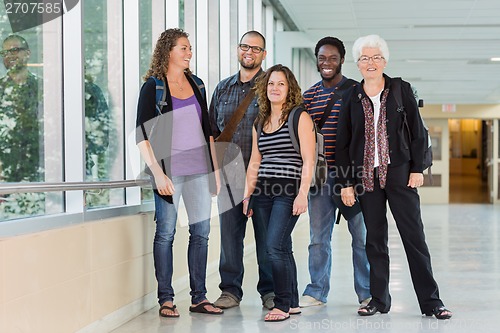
(189, 149)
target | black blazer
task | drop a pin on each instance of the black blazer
(349, 152)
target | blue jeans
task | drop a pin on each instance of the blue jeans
(276, 212)
(322, 211)
(233, 225)
(197, 199)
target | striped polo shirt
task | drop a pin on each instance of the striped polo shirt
(315, 100)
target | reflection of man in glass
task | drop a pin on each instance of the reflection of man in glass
(20, 127)
(96, 130)
(97, 137)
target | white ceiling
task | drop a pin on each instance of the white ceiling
(443, 47)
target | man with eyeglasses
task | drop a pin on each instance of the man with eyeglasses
(228, 95)
(20, 126)
(330, 55)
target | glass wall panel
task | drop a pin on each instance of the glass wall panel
(181, 14)
(103, 99)
(146, 50)
(28, 113)
(146, 36)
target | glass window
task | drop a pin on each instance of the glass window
(146, 50)
(103, 100)
(181, 14)
(146, 36)
(27, 107)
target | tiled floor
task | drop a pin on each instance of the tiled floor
(464, 241)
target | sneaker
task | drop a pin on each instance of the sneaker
(306, 301)
(226, 301)
(268, 301)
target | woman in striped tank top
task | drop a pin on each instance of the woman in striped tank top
(278, 180)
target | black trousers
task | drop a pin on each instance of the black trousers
(404, 203)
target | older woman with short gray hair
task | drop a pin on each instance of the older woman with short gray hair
(372, 139)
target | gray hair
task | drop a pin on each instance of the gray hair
(373, 41)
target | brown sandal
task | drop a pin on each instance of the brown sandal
(201, 308)
(170, 308)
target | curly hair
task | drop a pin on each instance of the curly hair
(161, 55)
(333, 41)
(293, 98)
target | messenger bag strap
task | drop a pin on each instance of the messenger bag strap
(328, 109)
(230, 127)
(337, 94)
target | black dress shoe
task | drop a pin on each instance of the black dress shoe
(369, 310)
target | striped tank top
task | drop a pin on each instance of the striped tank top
(279, 158)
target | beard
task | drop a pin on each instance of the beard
(251, 65)
(338, 71)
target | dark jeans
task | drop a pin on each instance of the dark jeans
(404, 203)
(276, 212)
(233, 225)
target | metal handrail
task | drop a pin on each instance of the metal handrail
(10, 188)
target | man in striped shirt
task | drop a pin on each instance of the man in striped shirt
(330, 55)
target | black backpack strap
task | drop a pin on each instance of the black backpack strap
(337, 94)
(161, 94)
(397, 93)
(200, 85)
(293, 127)
(396, 87)
(258, 129)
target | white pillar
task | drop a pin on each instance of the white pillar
(73, 106)
(132, 78)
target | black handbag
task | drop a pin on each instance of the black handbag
(347, 212)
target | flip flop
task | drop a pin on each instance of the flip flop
(200, 308)
(170, 308)
(281, 317)
(294, 311)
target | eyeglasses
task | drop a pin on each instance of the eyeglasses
(255, 49)
(12, 51)
(365, 59)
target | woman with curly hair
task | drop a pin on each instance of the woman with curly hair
(278, 179)
(174, 139)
